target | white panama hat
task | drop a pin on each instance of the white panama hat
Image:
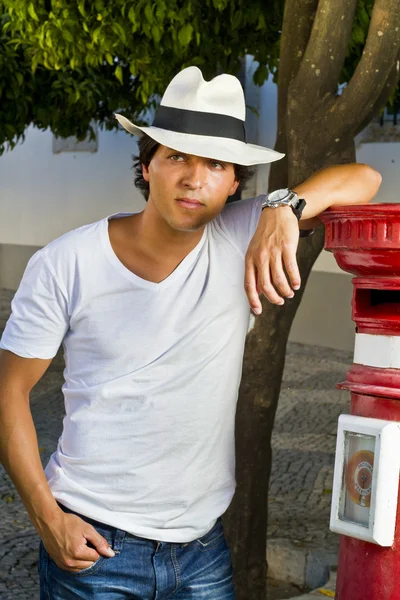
(204, 118)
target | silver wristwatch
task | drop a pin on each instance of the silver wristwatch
(284, 197)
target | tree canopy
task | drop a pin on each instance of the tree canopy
(64, 63)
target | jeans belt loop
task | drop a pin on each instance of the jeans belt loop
(119, 540)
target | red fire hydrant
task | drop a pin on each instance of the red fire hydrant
(365, 241)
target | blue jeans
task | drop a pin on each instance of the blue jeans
(144, 569)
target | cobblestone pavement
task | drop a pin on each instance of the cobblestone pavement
(304, 442)
(303, 453)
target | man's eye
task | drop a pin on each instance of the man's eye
(176, 157)
(216, 164)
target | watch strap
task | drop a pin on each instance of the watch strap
(306, 232)
(299, 208)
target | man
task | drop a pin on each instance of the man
(152, 313)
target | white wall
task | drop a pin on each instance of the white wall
(43, 195)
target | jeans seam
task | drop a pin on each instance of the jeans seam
(46, 569)
(89, 570)
(177, 569)
(214, 542)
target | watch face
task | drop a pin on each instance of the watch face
(278, 195)
(357, 478)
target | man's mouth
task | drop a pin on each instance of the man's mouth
(190, 203)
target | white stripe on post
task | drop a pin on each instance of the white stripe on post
(381, 351)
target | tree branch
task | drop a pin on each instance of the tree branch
(381, 101)
(372, 72)
(297, 25)
(326, 49)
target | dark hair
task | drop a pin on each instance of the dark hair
(147, 149)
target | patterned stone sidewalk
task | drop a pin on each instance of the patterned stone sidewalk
(300, 544)
(301, 549)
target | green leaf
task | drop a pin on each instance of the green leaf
(119, 30)
(15, 42)
(148, 12)
(49, 41)
(185, 34)
(132, 15)
(237, 19)
(67, 35)
(143, 97)
(46, 61)
(96, 35)
(81, 8)
(363, 17)
(358, 35)
(260, 75)
(35, 62)
(20, 78)
(160, 11)
(119, 74)
(109, 58)
(156, 31)
(32, 12)
(261, 23)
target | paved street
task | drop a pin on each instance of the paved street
(300, 493)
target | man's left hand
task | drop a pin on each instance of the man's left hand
(271, 252)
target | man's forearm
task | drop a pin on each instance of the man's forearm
(19, 454)
(336, 185)
(272, 250)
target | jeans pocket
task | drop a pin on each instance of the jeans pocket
(211, 539)
(83, 572)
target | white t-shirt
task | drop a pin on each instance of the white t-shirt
(151, 378)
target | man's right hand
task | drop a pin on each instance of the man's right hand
(66, 540)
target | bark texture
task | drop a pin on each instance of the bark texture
(316, 127)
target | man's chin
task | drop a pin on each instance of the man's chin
(187, 229)
(188, 226)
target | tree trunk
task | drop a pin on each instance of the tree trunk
(246, 519)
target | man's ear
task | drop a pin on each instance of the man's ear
(145, 172)
(234, 187)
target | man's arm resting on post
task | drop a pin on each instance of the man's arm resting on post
(272, 250)
(336, 185)
(64, 535)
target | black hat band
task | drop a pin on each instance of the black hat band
(199, 123)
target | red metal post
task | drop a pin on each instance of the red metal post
(365, 241)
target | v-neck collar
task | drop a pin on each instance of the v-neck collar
(124, 271)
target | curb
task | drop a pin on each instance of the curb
(297, 564)
(327, 591)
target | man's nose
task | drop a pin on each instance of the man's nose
(195, 175)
